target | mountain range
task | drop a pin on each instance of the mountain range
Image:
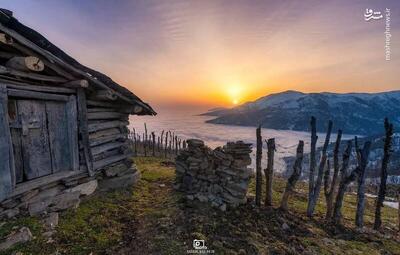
(354, 113)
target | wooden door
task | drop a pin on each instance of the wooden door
(44, 137)
(34, 139)
(6, 152)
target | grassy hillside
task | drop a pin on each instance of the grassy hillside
(152, 218)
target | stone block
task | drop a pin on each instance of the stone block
(47, 193)
(28, 195)
(39, 206)
(115, 170)
(50, 222)
(9, 213)
(9, 203)
(65, 200)
(85, 188)
(22, 236)
(119, 181)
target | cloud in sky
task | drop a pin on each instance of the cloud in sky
(196, 52)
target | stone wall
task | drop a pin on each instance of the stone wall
(66, 193)
(220, 176)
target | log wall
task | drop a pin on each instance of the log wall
(108, 135)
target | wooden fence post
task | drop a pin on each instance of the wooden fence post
(134, 142)
(144, 142)
(384, 173)
(166, 144)
(258, 166)
(342, 187)
(291, 183)
(364, 153)
(176, 145)
(317, 188)
(153, 136)
(334, 183)
(314, 139)
(269, 171)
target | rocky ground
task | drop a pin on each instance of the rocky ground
(153, 218)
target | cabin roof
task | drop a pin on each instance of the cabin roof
(7, 20)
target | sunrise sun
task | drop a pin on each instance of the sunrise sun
(235, 93)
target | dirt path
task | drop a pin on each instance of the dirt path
(155, 209)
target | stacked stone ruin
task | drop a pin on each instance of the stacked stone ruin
(220, 176)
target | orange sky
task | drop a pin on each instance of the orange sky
(215, 53)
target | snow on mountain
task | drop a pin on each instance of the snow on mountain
(355, 113)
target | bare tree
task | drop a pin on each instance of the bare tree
(333, 187)
(291, 183)
(258, 166)
(385, 161)
(269, 171)
(315, 194)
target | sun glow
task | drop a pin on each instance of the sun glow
(235, 94)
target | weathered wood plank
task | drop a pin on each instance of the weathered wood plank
(33, 184)
(26, 86)
(76, 84)
(8, 55)
(106, 115)
(107, 154)
(101, 109)
(102, 133)
(106, 125)
(72, 115)
(14, 119)
(108, 161)
(6, 150)
(18, 160)
(105, 147)
(106, 139)
(84, 129)
(102, 104)
(103, 95)
(33, 76)
(36, 95)
(58, 128)
(35, 142)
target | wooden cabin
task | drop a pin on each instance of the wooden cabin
(63, 126)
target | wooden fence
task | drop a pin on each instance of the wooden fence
(151, 144)
(334, 186)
